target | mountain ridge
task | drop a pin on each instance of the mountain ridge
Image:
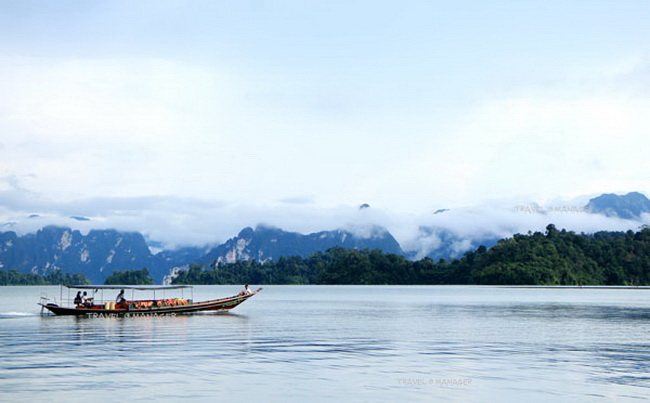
(102, 252)
(99, 253)
(629, 206)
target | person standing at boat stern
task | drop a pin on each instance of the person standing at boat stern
(120, 298)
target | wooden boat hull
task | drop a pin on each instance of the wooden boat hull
(223, 304)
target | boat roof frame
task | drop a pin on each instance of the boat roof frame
(128, 287)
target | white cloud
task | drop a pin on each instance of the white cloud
(537, 148)
(189, 123)
(179, 221)
(92, 127)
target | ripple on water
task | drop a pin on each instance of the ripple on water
(328, 343)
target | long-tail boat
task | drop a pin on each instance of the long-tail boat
(95, 305)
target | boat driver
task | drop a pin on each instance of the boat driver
(120, 298)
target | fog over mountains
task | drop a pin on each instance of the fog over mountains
(447, 233)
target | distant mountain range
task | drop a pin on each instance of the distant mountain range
(267, 243)
(629, 206)
(101, 252)
(95, 255)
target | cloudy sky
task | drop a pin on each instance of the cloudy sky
(198, 118)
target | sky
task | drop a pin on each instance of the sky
(190, 120)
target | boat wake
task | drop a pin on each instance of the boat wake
(14, 315)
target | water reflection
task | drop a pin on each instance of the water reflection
(168, 330)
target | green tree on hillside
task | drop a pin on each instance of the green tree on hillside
(129, 277)
(13, 277)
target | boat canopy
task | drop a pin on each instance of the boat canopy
(128, 287)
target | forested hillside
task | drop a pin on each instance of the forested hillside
(13, 277)
(551, 258)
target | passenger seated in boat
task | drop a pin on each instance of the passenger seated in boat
(87, 301)
(77, 299)
(246, 291)
(120, 298)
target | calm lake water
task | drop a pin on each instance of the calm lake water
(346, 343)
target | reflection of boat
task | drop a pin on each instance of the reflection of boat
(96, 306)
